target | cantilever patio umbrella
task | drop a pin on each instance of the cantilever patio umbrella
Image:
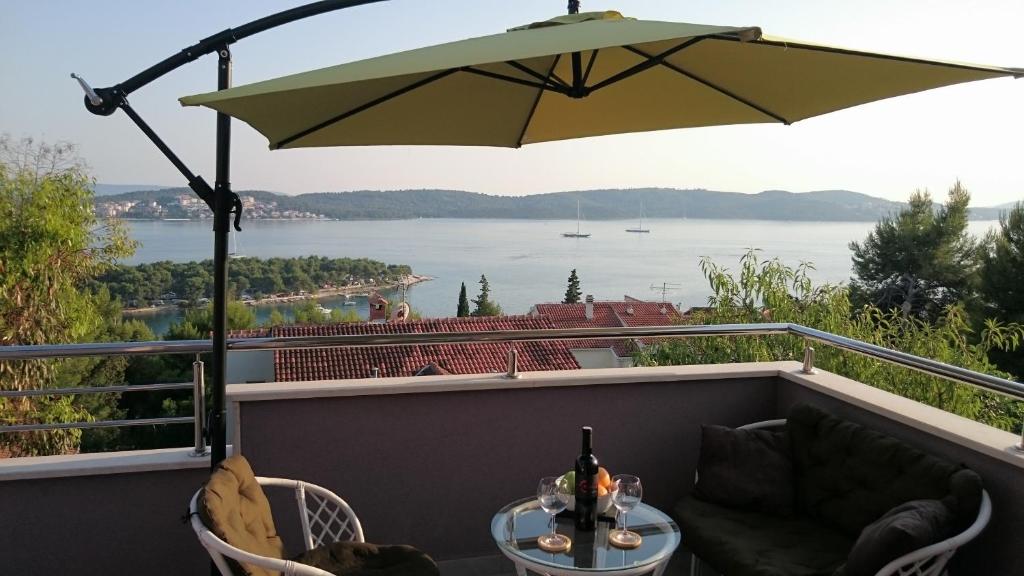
(569, 77)
(574, 76)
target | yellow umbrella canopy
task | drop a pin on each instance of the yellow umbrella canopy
(575, 76)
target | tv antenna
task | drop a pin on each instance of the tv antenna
(665, 288)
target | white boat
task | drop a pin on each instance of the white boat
(324, 311)
(640, 229)
(578, 234)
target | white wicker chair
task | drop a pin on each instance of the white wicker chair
(927, 561)
(325, 518)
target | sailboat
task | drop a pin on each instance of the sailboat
(640, 229)
(577, 234)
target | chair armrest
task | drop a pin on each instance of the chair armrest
(764, 424)
(324, 516)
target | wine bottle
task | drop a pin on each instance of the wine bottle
(586, 484)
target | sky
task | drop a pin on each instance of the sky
(970, 132)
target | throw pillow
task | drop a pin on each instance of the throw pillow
(903, 529)
(746, 470)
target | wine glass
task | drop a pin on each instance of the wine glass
(553, 495)
(626, 494)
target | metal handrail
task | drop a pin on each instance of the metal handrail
(928, 366)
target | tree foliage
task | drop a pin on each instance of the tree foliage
(1002, 279)
(463, 308)
(572, 291)
(144, 283)
(921, 261)
(1002, 263)
(483, 304)
(51, 246)
(769, 291)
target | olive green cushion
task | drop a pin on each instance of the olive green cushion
(739, 543)
(235, 509)
(362, 559)
(848, 476)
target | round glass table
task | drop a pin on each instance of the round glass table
(515, 529)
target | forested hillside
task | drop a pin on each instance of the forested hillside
(611, 204)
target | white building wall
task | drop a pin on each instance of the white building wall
(250, 367)
(596, 357)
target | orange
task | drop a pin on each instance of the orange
(604, 479)
(601, 490)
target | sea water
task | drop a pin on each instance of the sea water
(525, 261)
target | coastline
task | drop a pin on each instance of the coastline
(408, 280)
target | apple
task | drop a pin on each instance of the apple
(568, 482)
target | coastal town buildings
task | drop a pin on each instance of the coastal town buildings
(607, 314)
(187, 206)
(472, 358)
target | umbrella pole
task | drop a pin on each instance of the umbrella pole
(106, 101)
(222, 204)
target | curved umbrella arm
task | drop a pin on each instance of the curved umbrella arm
(111, 97)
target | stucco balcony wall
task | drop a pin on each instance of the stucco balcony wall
(428, 460)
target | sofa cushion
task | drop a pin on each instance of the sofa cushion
(901, 530)
(235, 509)
(745, 469)
(849, 476)
(741, 543)
(363, 559)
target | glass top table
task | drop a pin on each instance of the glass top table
(515, 529)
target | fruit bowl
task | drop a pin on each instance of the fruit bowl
(603, 503)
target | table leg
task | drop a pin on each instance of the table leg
(520, 569)
(695, 565)
(660, 569)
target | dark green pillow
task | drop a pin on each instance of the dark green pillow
(364, 559)
(902, 530)
(746, 470)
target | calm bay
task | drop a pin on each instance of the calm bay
(525, 261)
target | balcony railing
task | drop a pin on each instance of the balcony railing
(810, 335)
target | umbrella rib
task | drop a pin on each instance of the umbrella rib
(365, 107)
(713, 86)
(512, 79)
(523, 68)
(590, 65)
(650, 62)
(536, 102)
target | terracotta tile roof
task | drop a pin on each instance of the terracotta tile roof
(392, 361)
(610, 314)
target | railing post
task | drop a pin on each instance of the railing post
(808, 360)
(198, 407)
(513, 364)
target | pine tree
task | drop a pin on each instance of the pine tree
(920, 261)
(484, 306)
(463, 302)
(573, 292)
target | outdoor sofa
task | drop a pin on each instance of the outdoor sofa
(816, 495)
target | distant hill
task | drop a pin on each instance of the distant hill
(112, 189)
(610, 204)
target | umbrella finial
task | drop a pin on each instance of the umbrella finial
(574, 6)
